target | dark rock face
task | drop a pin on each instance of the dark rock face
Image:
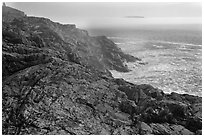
(153, 106)
(65, 41)
(166, 129)
(56, 81)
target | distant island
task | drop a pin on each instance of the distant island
(134, 17)
(56, 80)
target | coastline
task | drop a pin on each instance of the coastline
(170, 67)
(51, 86)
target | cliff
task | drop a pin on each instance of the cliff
(9, 13)
(56, 81)
(84, 49)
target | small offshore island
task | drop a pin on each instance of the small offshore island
(56, 80)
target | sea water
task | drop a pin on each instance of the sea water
(171, 58)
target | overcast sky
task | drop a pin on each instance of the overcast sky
(114, 14)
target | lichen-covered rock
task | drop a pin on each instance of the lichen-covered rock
(56, 81)
(44, 100)
(145, 129)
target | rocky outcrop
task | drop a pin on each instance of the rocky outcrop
(56, 81)
(75, 43)
(93, 51)
(166, 129)
(9, 13)
(151, 105)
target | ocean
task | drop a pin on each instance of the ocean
(171, 56)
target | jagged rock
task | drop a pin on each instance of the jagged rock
(114, 55)
(178, 109)
(145, 129)
(185, 98)
(159, 129)
(192, 99)
(56, 81)
(199, 132)
(197, 109)
(164, 111)
(133, 93)
(128, 107)
(157, 114)
(151, 91)
(67, 41)
(166, 129)
(62, 107)
(176, 97)
(180, 130)
(122, 82)
(194, 124)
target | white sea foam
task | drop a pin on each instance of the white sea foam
(119, 43)
(169, 66)
(122, 38)
(158, 46)
(127, 43)
(176, 43)
(166, 89)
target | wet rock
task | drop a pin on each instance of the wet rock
(164, 111)
(185, 98)
(192, 99)
(56, 81)
(122, 82)
(176, 97)
(151, 91)
(157, 115)
(194, 124)
(157, 94)
(178, 109)
(199, 132)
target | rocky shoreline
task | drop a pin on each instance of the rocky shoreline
(56, 81)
